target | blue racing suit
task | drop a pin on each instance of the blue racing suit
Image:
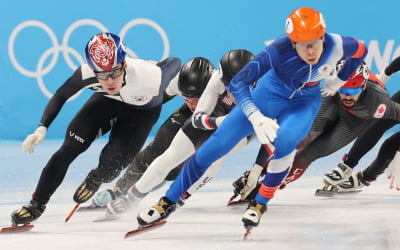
(287, 90)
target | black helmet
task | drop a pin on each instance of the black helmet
(194, 76)
(232, 62)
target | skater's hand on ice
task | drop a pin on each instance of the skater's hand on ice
(264, 127)
(36, 138)
(393, 172)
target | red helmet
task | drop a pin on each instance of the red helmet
(359, 77)
(105, 51)
(305, 25)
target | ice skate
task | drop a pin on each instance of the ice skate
(327, 190)
(338, 174)
(240, 183)
(233, 201)
(251, 218)
(158, 212)
(142, 229)
(354, 183)
(116, 207)
(86, 190)
(100, 199)
(123, 203)
(28, 213)
(16, 228)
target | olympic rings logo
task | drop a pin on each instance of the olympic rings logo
(67, 51)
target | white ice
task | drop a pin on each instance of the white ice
(295, 219)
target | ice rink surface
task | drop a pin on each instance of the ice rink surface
(295, 219)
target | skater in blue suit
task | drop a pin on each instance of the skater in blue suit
(280, 109)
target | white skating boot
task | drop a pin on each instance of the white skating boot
(251, 218)
(158, 212)
(354, 183)
(100, 199)
(126, 202)
(338, 174)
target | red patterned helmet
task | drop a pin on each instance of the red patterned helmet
(105, 51)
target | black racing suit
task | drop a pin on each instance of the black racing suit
(336, 126)
(129, 122)
(368, 139)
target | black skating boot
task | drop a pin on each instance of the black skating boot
(240, 183)
(28, 213)
(86, 190)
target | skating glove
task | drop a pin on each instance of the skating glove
(252, 181)
(36, 138)
(393, 172)
(331, 86)
(264, 127)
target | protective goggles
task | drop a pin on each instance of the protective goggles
(190, 100)
(104, 75)
(308, 45)
(350, 92)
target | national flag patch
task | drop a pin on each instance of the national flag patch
(380, 111)
(227, 100)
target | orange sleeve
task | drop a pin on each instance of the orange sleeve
(361, 50)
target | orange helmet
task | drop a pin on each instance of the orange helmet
(305, 25)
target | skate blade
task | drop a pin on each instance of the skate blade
(142, 229)
(17, 228)
(327, 190)
(90, 207)
(324, 193)
(332, 193)
(231, 199)
(349, 192)
(237, 203)
(107, 217)
(72, 212)
(247, 232)
(233, 202)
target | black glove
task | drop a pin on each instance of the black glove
(394, 66)
(240, 183)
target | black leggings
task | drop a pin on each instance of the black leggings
(155, 148)
(385, 156)
(128, 128)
